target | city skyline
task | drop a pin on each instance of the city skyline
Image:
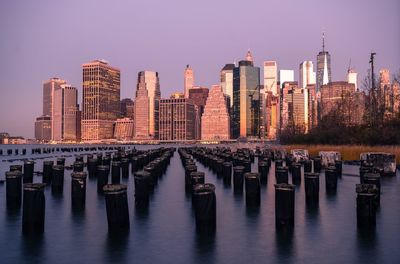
(26, 48)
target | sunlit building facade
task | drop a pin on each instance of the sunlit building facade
(101, 100)
(271, 116)
(285, 76)
(65, 114)
(226, 81)
(123, 129)
(342, 97)
(149, 81)
(188, 80)
(215, 121)
(306, 74)
(177, 119)
(352, 78)
(295, 107)
(147, 105)
(269, 100)
(49, 87)
(271, 77)
(199, 97)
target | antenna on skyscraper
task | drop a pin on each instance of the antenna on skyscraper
(323, 41)
(349, 68)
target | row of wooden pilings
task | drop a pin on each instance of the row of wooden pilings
(146, 167)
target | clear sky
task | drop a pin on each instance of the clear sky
(45, 38)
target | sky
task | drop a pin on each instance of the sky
(41, 39)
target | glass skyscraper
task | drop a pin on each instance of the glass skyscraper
(246, 100)
(323, 67)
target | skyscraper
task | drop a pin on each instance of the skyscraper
(323, 66)
(43, 123)
(268, 100)
(285, 76)
(43, 128)
(352, 78)
(215, 122)
(306, 74)
(147, 105)
(295, 107)
(177, 119)
(198, 95)
(65, 111)
(271, 119)
(246, 99)
(226, 79)
(101, 100)
(188, 81)
(386, 91)
(126, 106)
(49, 87)
(271, 77)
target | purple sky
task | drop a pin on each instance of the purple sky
(45, 38)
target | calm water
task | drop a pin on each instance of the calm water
(167, 233)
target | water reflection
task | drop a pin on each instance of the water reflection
(253, 212)
(284, 241)
(205, 243)
(116, 246)
(78, 215)
(142, 213)
(32, 247)
(312, 211)
(13, 213)
(331, 195)
(366, 238)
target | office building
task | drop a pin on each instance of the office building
(268, 96)
(199, 96)
(352, 78)
(124, 129)
(271, 77)
(188, 80)
(49, 87)
(285, 76)
(177, 119)
(246, 99)
(226, 81)
(215, 121)
(126, 107)
(100, 100)
(65, 112)
(294, 107)
(312, 106)
(43, 129)
(341, 99)
(306, 74)
(323, 67)
(271, 116)
(147, 105)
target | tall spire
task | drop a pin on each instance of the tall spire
(323, 41)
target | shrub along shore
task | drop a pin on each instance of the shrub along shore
(348, 152)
